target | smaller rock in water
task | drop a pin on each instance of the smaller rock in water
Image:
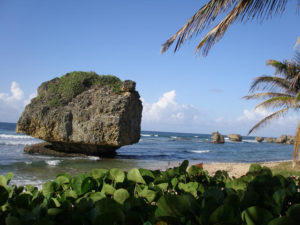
(270, 140)
(290, 140)
(217, 138)
(259, 139)
(235, 137)
(281, 140)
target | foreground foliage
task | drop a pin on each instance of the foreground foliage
(141, 196)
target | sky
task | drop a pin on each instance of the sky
(181, 92)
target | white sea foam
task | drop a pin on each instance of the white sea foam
(226, 138)
(53, 162)
(146, 135)
(200, 151)
(155, 135)
(18, 142)
(28, 163)
(196, 136)
(174, 137)
(251, 141)
(93, 157)
(14, 136)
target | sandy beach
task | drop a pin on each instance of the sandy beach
(234, 169)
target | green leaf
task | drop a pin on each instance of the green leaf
(285, 220)
(163, 186)
(30, 188)
(177, 205)
(108, 189)
(135, 176)
(256, 216)
(88, 184)
(99, 173)
(147, 174)
(117, 175)
(195, 171)
(184, 165)
(62, 180)
(8, 177)
(294, 212)
(279, 197)
(23, 200)
(77, 183)
(174, 182)
(71, 194)
(3, 195)
(255, 168)
(48, 188)
(120, 195)
(214, 192)
(190, 187)
(54, 211)
(55, 202)
(3, 181)
(11, 220)
(225, 214)
(236, 184)
(96, 196)
(148, 194)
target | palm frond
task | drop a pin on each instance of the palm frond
(266, 95)
(242, 10)
(267, 119)
(199, 21)
(296, 146)
(277, 102)
(280, 67)
(298, 40)
(270, 82)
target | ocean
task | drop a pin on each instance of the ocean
(154, 150)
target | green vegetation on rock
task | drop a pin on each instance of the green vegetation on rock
(145, 197)
(63, 89)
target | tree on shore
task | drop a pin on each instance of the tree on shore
(234, 11)
(282, 93)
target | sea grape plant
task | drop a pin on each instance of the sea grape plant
(179, 195)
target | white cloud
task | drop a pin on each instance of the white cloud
(13, 103)
(167, 114)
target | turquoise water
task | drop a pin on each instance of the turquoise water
(154, 150)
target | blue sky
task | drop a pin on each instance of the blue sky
(184, 92)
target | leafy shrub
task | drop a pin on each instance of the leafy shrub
(146, 197)
(71, 84)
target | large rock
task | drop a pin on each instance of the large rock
(84, 113)
(217, 138)
(234, 137)
(259, 139)
(281, 140)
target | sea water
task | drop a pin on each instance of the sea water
(154, 150)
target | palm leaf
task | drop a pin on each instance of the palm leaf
(266, 95)
(296, 146)
(279, 101)
(280, 67)
(242, 10)
(270, 82)
(297, 99)
(268, 118)
(202, 18)
(298, 40)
